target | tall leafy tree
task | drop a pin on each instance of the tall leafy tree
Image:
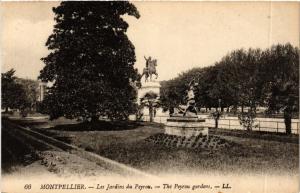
(282, 83)
(13, 94)
(151, 101)
(245, 78)
(91, 61)
(31, 88)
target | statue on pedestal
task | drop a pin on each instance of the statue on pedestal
(185, 121)
(190, 108)
(150, 68)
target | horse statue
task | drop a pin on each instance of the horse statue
(150, 68)
(146, 73)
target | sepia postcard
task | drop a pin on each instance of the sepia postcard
(150, 96)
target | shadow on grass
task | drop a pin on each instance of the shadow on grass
(99, 126)
(269, 136)
(169, 159)
(16, 154)
(31, 123)
(54, 135)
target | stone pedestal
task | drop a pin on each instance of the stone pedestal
(185, 126)
(151, 86)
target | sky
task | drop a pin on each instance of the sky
(180, 35)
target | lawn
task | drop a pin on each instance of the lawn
(125, 142)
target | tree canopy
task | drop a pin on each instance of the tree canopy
(31, 88)
(243, 78)
(13, 94)
(91, 61)
(237, 76)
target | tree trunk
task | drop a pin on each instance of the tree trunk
(151, 113)
(216, 123)
(94, 118)
(235, 109)
(242, 108)
(288, 120)
(6, 109)
(171, 110)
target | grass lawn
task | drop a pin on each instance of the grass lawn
(125, 143)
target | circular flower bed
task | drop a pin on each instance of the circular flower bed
(209, 142)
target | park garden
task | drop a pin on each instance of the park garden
(92, 88)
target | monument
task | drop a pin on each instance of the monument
(148, 94)
(184, 121)
(184, 129)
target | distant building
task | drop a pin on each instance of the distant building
(42, 89)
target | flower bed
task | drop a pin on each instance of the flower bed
(205, 142)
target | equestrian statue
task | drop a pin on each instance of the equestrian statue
(150, 68)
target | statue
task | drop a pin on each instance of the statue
(190, 107)
(184, 122)
(150, 68)
(148, 60)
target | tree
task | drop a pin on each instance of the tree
(13, 94)
(91, 61)
(150, 100)
(282, 87)
(245, 78)
(172, 92)
(31, 88)
(170, 95)
(216, 116)
(247, 119)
